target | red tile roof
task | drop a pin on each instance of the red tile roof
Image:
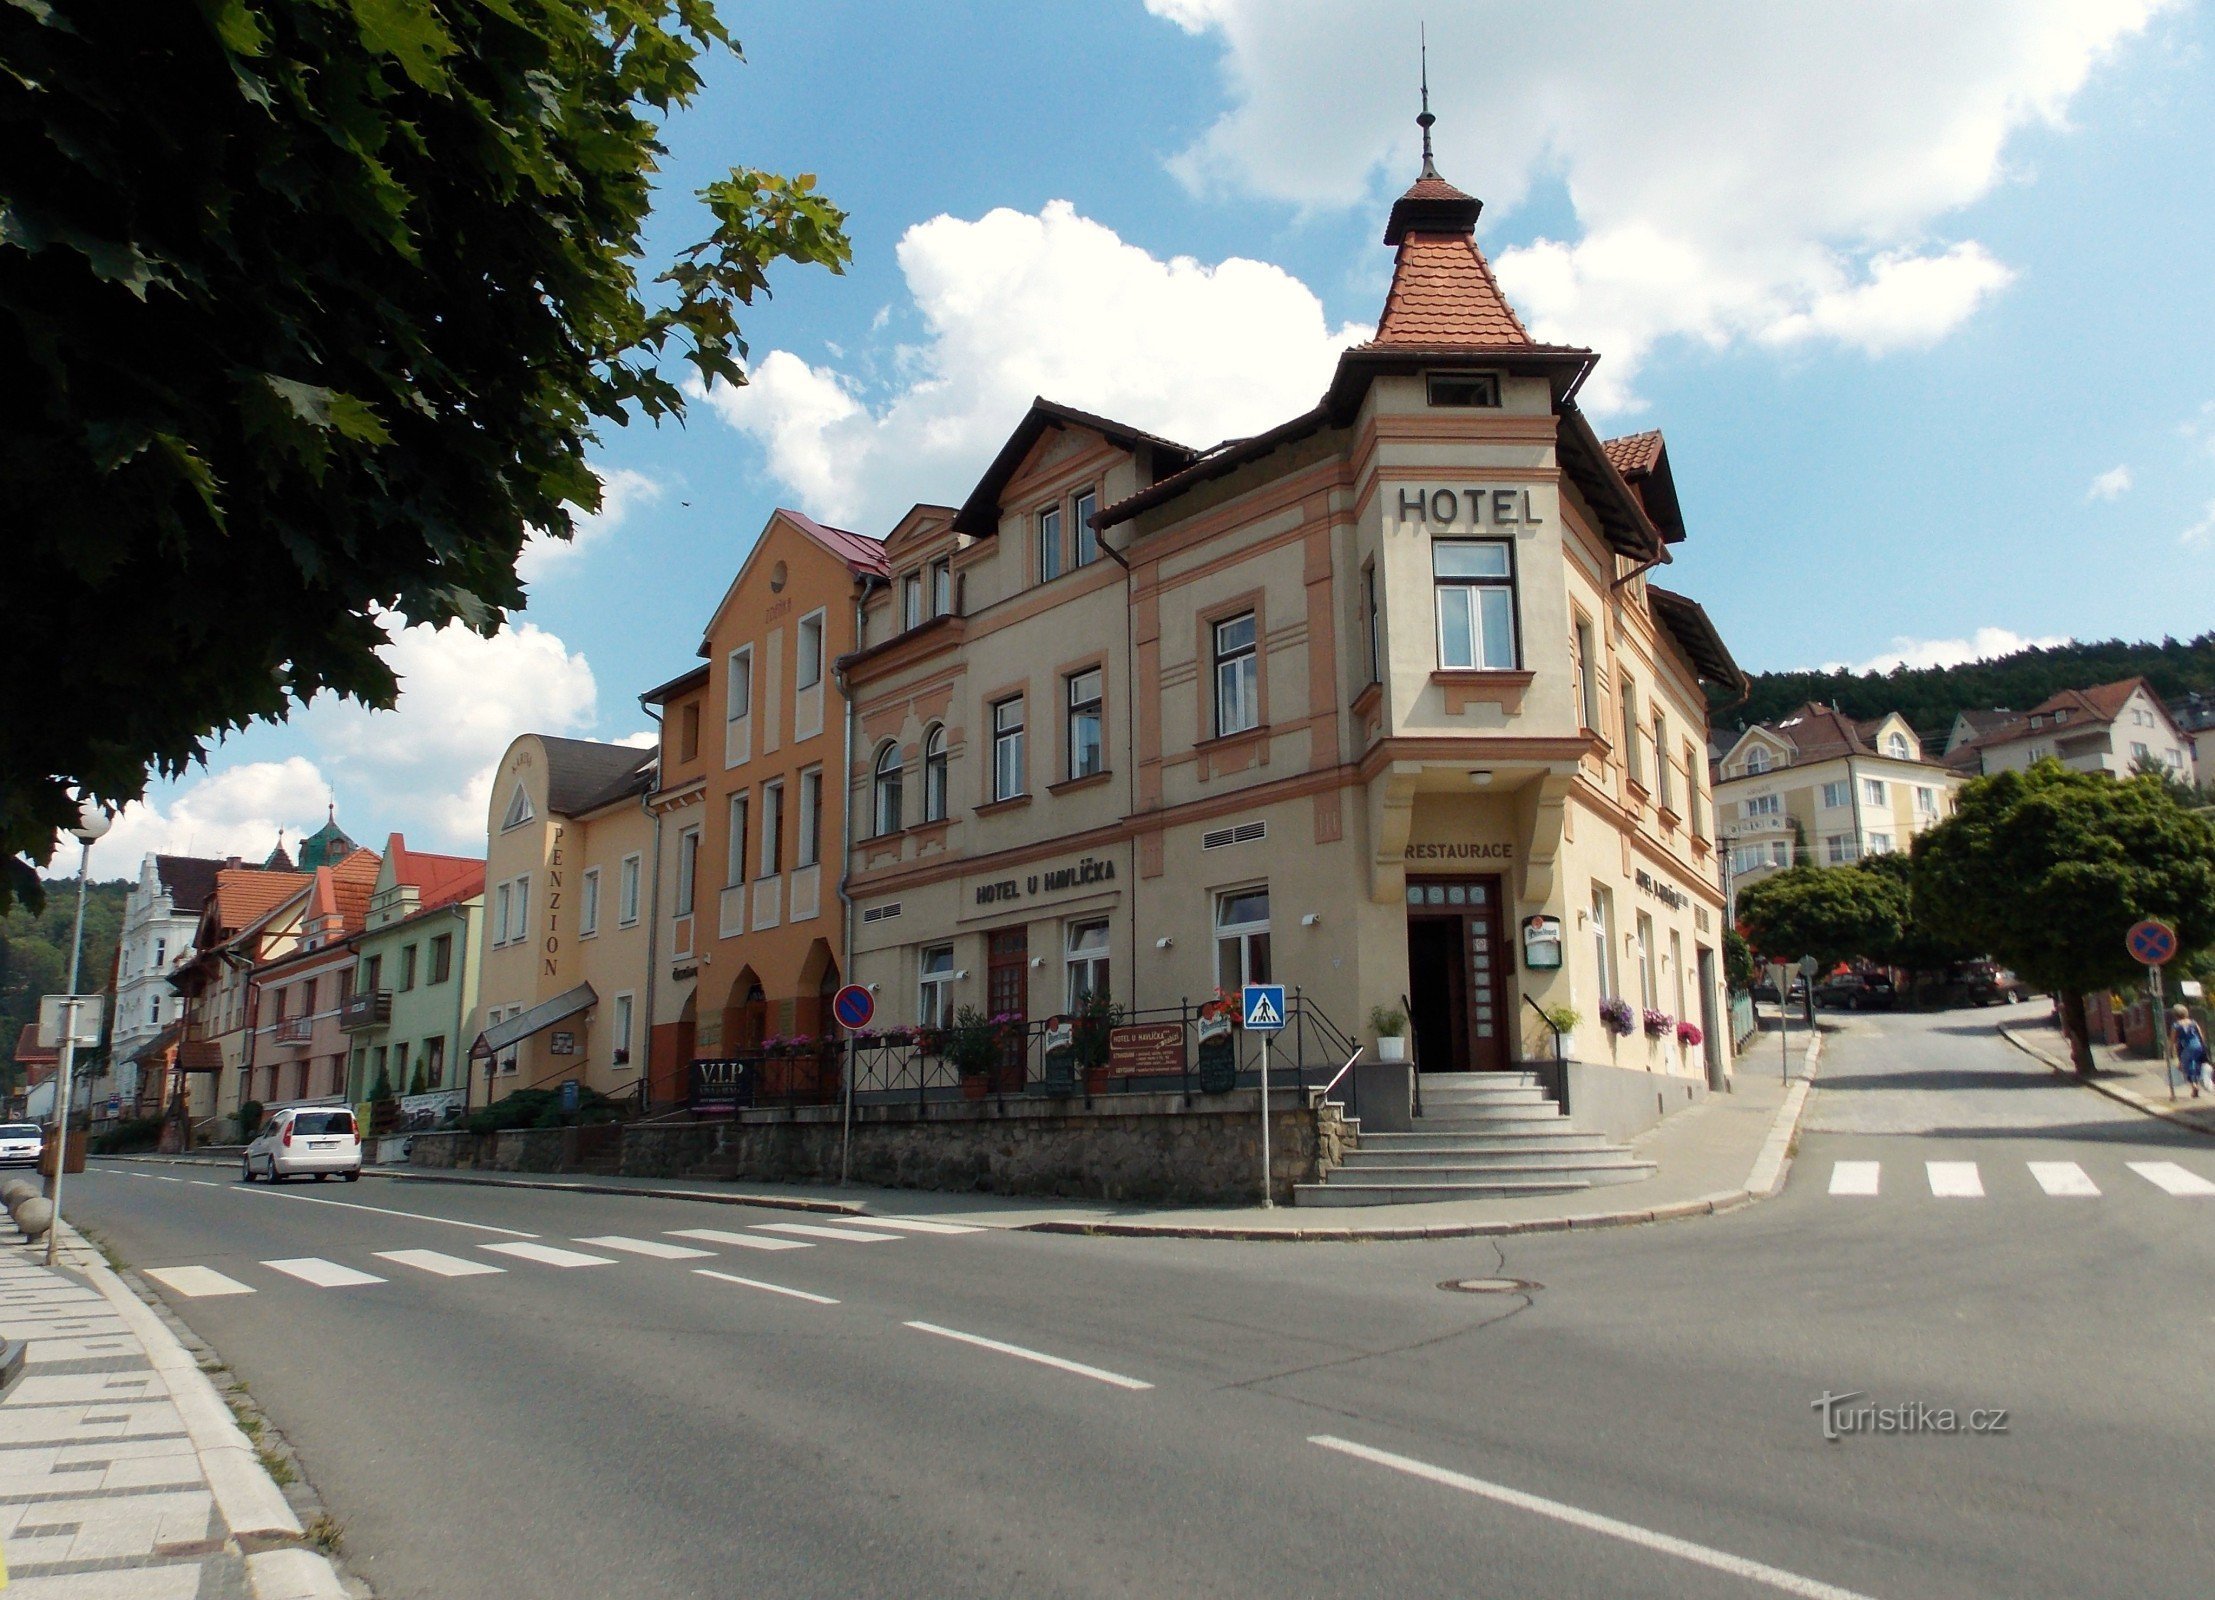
(1443, 293)
(438, 879)
(244, 893)
(29, 1052)
(1634, 452)
(864, 555)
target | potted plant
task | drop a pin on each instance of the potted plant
(1659, 1024)
(1563, 1020)
(973, 1046)
(930, 1040)
(1616, 1018)
(1689, 1035)
(1389, 1024)
(1094, 1022)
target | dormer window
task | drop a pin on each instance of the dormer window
(1757, 759)
(519, 809)
(1464, 388)
(1895, 745)
(2060, 717)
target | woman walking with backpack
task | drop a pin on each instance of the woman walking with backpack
(2191, 1047)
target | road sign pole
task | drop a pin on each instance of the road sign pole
(2161, 1028)
(846, 1129)
(1268, 1199)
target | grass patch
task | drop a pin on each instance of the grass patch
(326, 1533)
(279, 1469)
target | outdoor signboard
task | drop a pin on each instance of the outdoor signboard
(1139, 1048)
(720, 1085)
(1542, 943)
(1217, 1049)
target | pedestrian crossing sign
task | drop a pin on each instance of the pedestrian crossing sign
(1264, 1007)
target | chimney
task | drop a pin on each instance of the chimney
(233, 862)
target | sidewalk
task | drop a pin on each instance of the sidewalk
(123, 1473)
(2136, 1081)
(1730, 1149)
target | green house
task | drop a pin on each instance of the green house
(415, 983)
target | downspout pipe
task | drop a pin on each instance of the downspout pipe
(840, 677)
(653, 911)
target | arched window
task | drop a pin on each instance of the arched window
(886, 789)
(934, 774)
(1896, 745)
(1757, 759)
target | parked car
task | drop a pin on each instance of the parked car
(305, 1141)
(1765, 988)
(1857, 991)
(21, 1144)
(1987, 983)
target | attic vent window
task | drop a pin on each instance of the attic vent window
(519, 809)
(1464, 388)
(883, 913)
(1243, 833)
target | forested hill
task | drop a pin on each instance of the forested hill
(1929, 697)
(34, 954)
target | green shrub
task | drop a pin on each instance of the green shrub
(137, 1133)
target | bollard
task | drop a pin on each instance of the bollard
(16, 1189)
(34, 1216)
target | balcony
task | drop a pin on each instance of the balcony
(295, 1030)
(372, 1008)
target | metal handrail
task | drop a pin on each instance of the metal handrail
(1324, 1093)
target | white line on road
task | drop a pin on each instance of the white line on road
(202, 1183)
(1954, 1180)
(1594, 1522)
(2171, 1177)
(323, 1274)
(2063, 1178)
(745, 1241)
(810, 1230)
(1039, 1356)
(920, 1225)
(1854, 1177)
(648, 1247)
(382, 1211)
(551, 1255)
(438, 1263)
(163, 1177)
(197, 1283)
(772, 1288)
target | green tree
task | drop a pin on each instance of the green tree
(2046, 870)
(1831, 913)
(1920, 947)
(309, 313)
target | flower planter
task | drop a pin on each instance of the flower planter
(1392, 1047)
(975, 1085)
(1096, 1080)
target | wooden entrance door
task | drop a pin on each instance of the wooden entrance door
(1007, 979)
(1457, 967)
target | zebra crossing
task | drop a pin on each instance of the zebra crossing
(196, 1282)
(1964, 1180)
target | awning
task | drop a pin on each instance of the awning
(540, 1017)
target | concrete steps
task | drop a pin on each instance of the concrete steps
(1482, 1136)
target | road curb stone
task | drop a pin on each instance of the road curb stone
(2122, 1095)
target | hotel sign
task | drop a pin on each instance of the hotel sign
(1080, 875)
(1441, 510)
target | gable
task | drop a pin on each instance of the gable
(1774, 753)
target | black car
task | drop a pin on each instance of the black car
(1857, 991)
(1766, 989)
(1986, 983)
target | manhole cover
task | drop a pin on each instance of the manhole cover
(1491, 1285)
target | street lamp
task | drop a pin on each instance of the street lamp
(91, 823)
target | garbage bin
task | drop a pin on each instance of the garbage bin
(76, 1154)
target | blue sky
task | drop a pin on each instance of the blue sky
(1920, 296)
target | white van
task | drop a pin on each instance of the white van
(304, 1141)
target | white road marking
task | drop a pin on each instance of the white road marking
(772, 1288)
(1854, 1177)
(2063, 1178)
(1954, 1180)
(202, 1183)
(323, 1274)
(920, 1225)
(163, 1177)
(550, 1255)
(382, 1211)
(197, 1283)
(745, 1241)
(649, 1247)
(1039, 1356)
(812, 1230)
(1593, 1522)
(2167, 1175)
(444, 1266)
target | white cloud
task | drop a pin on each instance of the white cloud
(2112, 484)
(237, 811)
(1983, 645)
(1738, 171)
(2199, 428)
(1015, 305)
(622, 491)
(2201, 532)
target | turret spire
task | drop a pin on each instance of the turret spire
(1426, 119)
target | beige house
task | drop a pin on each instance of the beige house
(2109, 728)
(563, 971)
(1378, 704)
(1820, 788)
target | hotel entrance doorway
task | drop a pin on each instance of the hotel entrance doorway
(1456, 950)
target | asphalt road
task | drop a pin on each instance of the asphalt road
(1318, 1419)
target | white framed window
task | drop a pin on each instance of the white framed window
(1475, 580)
(885, 799)
(519, 927)
(1926, 801)
(911, 600)
(772, 829)
(1085, 956)
(1049, 544)
(1763, 805)
(1780, 853)
(1664, 789)
(1757, 759)
(738, 692)
(1085, 755)
(1087, 536)
(1237, 675)
(810, 841)
(2139, 752)
(1837, 796)
(934, 986)
(1648, 986)
(1632, 769)
(942, 587)
(1873, 791)
(810, 668)
(1588, 678)
(1880, 843)
(688, 865)
(1895, 745)
(619, 1030)
(519, 809)
(626, 905)
(934, 773)
(734, 847)
(1241, 938)
(502, 898)
(1372, 628)
(1007, 748)
(1840, 847)
(588, 905)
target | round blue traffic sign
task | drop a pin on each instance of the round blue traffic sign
(2153, 943)
(853, 1006)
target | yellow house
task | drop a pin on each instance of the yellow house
(1820, 788)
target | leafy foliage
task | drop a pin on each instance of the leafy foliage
(1922, 947)
(34, 956)
(309, 311)
(1931, 697)
(1831, 913)
(2047, 870)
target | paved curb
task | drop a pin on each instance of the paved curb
(1766, 1178)
(253, 1506)
(2180, 1114)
